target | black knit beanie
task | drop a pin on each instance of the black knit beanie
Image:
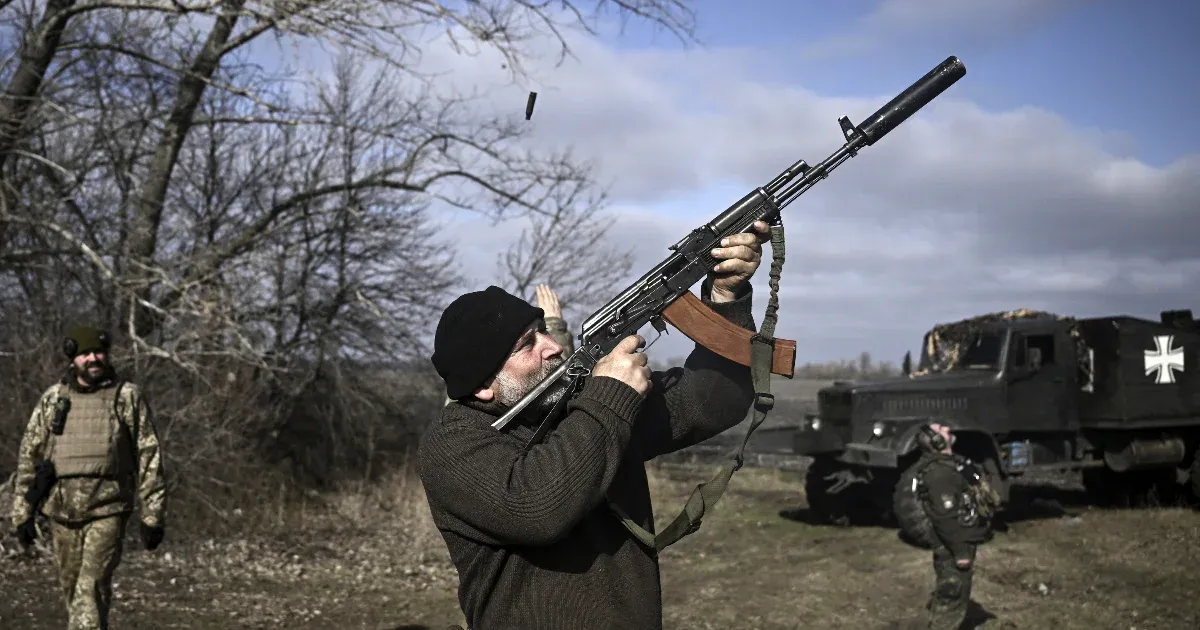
(475, 337)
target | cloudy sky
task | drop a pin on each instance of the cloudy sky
(1061, 173)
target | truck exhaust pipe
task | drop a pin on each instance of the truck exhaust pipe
(1140, 454)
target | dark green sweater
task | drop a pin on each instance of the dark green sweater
(531, 535)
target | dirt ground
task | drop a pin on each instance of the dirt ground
(755, 564)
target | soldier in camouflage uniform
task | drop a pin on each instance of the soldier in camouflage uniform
(98, 435)
(959, 504)
(556, 326)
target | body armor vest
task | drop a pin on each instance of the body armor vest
(978, 502)
(91, 441)
(982, 497)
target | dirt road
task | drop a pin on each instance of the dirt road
(748, 567)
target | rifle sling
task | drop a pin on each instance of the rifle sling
(705, 496)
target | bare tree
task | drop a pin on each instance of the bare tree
(265, 247)
(379, 29)
(568, 251)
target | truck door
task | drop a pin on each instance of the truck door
(1042, 394)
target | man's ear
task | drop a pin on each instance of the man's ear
(485, 394)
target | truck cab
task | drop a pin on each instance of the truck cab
(1020, 392)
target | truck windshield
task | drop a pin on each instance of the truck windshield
(982, 352)
(979, 351)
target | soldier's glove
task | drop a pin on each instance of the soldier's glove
(151, 537)
(27, 532)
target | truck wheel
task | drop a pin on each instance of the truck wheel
(825, 507)
(852, 505)
(881, 500)
(910, 514)
(866, 501)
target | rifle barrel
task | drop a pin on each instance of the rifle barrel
(877, 125)
(918, 95)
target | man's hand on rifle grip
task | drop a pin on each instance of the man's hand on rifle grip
(627, 365)
(740, 256)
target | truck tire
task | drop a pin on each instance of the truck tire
(910, 514)
(881, 499)
(825, 507)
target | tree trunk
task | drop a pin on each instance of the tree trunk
(36, 55)
(143, 237)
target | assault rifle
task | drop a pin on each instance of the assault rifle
(663, 292)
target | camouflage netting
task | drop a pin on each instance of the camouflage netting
(945, 343)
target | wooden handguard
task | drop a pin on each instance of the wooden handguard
(718, 334)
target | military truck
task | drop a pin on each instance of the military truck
(1116, 398)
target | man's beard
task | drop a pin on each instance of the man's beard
(509, 390)
(102, 372)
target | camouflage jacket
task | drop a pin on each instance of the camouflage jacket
(81, 499)
(955, 509)
(556, 327)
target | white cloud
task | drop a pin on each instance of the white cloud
(959, 211)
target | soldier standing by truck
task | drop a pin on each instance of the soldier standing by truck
(90, 452)
(959, 505)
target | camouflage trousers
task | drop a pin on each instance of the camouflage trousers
(952, 593)
(86, 555)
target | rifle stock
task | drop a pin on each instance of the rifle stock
(702, 325)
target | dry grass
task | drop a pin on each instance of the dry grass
(369, 557)
(363, 557)
(1102, 569)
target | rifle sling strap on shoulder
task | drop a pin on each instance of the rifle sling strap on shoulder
(705, 496)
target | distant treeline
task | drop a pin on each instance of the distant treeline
(861, 368)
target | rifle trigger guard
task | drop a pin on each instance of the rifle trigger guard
(578, 371)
